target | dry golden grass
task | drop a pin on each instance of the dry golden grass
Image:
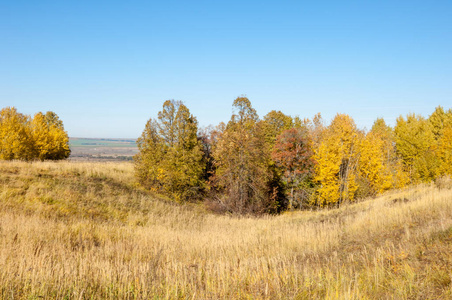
(71, 230)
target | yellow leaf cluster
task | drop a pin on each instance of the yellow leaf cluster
(337, 157)
(371, 164)
(351, 164)
(444, 152)
(327, 170)
(24, 138)
(15, 135)
(51, 141)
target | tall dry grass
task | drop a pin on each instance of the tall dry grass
(85, 231)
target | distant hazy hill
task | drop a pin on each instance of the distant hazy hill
(87, 142)
(102, 149)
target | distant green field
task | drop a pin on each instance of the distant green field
(85, 142)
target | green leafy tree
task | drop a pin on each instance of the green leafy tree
(273, 124)
(170, 158)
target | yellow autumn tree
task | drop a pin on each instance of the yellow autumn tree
(444, 152)
(392, 163)
(415, 140)
(440, 119)
(42, 137)
(375, 175)
(147, 161)
(327, 169)
(441, 125)
(15, 136)
(337, 161)
(50, 140)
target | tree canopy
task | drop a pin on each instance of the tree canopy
(170, 158)
(241, 159)
(253, 165)
(41, 137)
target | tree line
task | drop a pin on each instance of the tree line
(254, 165)
(279, 162)
(41, 137)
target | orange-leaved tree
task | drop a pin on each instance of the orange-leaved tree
(293, 154)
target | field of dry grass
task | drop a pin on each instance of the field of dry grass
(73, 230)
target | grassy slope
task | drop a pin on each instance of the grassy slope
(84, 230)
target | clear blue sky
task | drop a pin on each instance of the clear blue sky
(106, 67)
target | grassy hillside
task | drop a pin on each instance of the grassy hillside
(84, 230)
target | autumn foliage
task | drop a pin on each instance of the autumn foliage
(39, 138)
(253, 165)
(170, 160)
(293, 153)
(241, 161)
